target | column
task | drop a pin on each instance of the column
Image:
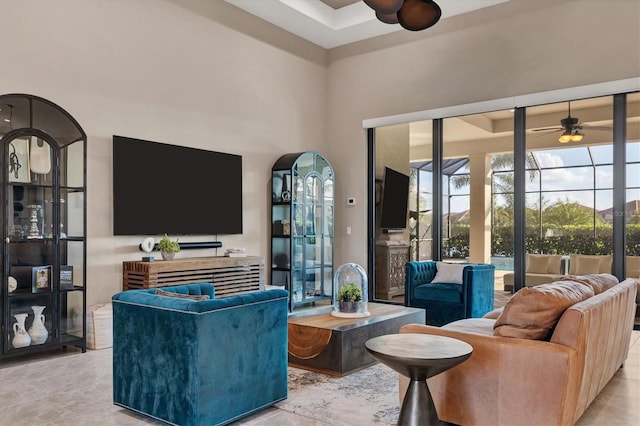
(480, 208)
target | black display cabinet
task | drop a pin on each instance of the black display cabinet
(43, 190)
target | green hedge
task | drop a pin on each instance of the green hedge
(573, 239)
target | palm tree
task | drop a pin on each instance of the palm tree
(502, 182)
(502, 216)
(565, 213)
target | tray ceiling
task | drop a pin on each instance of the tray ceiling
(333, 23)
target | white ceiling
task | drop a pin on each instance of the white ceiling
(333, 23)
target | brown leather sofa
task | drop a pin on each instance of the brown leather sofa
(549, 380)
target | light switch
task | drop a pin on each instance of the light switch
(348, 230)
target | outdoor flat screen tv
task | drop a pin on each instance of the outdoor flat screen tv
(395, 199)
(160, 188)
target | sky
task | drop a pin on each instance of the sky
(561, 181)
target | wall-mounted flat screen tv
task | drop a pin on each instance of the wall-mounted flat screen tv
(160, 188)
(395, 199)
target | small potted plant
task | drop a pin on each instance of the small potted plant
(168, 248)
(349, 297)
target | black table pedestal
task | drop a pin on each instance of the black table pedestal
(417, 407)
(418, 357)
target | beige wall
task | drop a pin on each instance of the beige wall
(526, 47)
(151, 69)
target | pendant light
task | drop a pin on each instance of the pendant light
(391, 18)
(384, 7)
(417, 15)
(571, 135)
(572, 132)
(576, 135)
(565, 136)
(413, 15)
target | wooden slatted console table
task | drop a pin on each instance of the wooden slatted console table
(229, 275)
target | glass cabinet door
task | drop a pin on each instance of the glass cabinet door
(69, 226)
(43, 156)
(308, 275)
(30, 257)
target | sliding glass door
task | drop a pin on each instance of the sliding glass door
(463, 196)
(569, 189)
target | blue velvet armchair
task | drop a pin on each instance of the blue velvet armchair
(199, 362)
(445, 301)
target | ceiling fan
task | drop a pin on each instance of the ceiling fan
(571, 129)
(413, 15)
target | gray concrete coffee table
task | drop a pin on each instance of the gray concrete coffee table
(418, 356)
(335, 346)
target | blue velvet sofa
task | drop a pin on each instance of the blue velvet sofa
(446, 301)
(199, 362)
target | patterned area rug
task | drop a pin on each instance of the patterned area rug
(366, 397)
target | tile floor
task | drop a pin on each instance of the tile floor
(75, 389)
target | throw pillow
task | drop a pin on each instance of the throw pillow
(182, 296)
(450, 273)
(589, 264)
(633, 267)
(605, 264)
(555, 264)
(586, 266)
(537, 263)
(533, 312)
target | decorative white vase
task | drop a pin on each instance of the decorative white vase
(20, 336)
(38, 331)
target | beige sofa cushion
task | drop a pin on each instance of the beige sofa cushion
(633, 267)
(531, 279)
(555, 262)
(537, 279)
(543, 263)
(533, 312)
(537, 263)
(633, 272)
(583, 264)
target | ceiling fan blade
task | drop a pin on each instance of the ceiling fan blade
(546, 129)
(587, 127)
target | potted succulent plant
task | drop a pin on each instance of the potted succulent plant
(349, 297)
(168, 248)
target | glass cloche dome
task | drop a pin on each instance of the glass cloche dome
(350, 294)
